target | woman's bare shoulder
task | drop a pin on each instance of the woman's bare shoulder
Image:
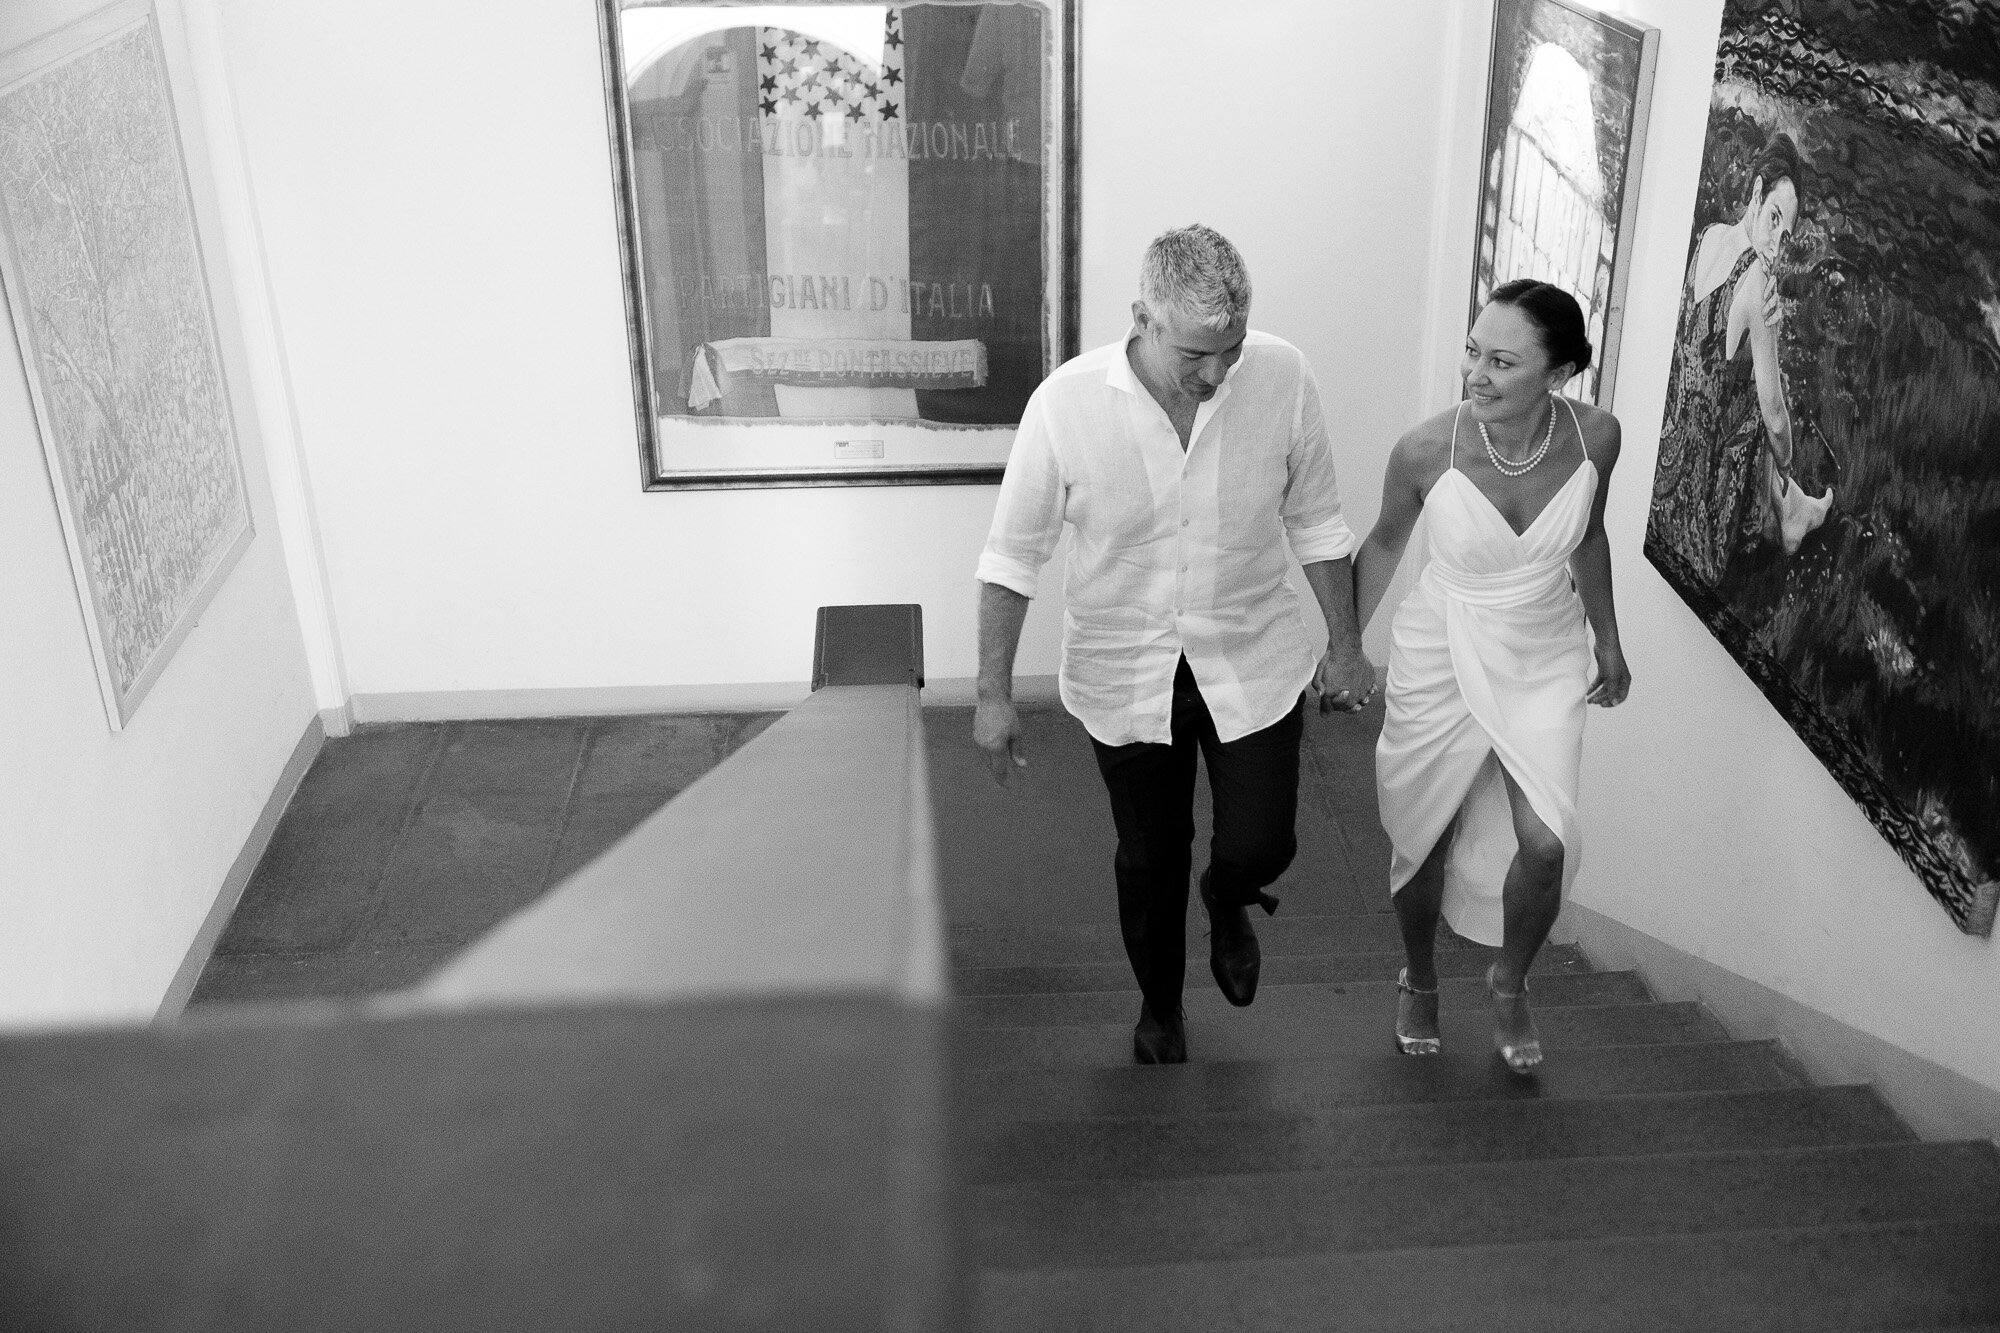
(1721, 245)
(1602, 435)
(1431, 435)
(1425, 448)
(1710, 245)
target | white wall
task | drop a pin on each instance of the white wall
(435, 196)
(1708, 824)
(113, 846)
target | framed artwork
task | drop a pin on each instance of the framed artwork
(849, 233)
(104, 281)
(1827, 496)
(1567, 95)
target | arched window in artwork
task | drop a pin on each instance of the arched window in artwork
(1546, 214)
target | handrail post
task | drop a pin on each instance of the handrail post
(879, 644)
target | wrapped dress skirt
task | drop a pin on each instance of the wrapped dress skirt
(1489, 664)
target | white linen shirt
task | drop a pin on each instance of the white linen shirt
(1173, 553)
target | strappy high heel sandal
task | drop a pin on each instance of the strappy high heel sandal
(1416, 1015)
(1523, 1054)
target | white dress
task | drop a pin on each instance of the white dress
(1488, 665)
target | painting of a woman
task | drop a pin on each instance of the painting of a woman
(1724, 481)
(1827, 493)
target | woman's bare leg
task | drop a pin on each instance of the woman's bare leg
(1530, 899)
(1418, 904)
(1532, 893)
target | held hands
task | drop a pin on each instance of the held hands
(1614, 680)
(996, 730)
(1344, 682)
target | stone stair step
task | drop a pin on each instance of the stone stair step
(1924, 1328)
(1789, 1281)
(1096, 1223)
(1279, 936)
(1326, 1138)
(1245, 1034)
(1360, 1080)
(1326, 1001)
(1279, 970)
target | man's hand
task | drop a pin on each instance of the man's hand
(996, 730)
(995, 727)
(1345, 681)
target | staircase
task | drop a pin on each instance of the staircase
(1298, 1173)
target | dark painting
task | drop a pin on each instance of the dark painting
(1828, 490)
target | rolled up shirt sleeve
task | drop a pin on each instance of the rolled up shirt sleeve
(1027, 523)
(1314, 524)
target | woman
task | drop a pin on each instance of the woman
(1490, 666)
(1724, 480)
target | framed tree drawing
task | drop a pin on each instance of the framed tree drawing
(848, 233)
(104, 281)
(1567, 95)
(1827, 496)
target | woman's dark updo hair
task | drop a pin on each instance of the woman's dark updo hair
(1557, 318)
(1778, 160)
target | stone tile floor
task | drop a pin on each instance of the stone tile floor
(407, 841)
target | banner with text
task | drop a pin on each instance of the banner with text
(834, 363)
(877, 209)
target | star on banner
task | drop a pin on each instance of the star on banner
(811, 77)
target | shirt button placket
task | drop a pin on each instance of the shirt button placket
(1180, 580)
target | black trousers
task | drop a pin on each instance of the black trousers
(1255, 782)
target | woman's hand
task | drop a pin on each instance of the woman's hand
(1614, 679)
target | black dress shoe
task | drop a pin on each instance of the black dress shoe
(1233, 955)
(1158, 1041)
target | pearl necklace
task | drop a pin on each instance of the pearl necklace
(1507, 467)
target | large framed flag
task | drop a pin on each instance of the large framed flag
(848, 232)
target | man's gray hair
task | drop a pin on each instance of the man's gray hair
(1196, 272)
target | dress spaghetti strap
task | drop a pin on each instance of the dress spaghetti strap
(1581, 443)
(1454, 434)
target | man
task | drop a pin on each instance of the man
(1185, 457)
